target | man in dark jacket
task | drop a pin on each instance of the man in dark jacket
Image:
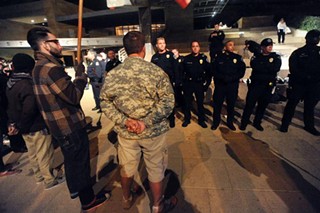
(113, 61)
(25, 118)
(5, 170)
(265, 67)
(59, 101)
(215, 39)
(197, 78)
(304, 82)
(228, 68)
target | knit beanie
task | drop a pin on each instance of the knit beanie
(22, 63)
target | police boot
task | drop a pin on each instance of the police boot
(231, 126)
(312, 131)
(258, 126)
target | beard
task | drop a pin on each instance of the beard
(55, 53)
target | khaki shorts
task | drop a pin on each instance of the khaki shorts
(155, 154)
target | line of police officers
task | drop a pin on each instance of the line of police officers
(194, 74)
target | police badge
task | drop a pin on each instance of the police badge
(270, 60)
(234, 60)
(201, 61)
(168, 56)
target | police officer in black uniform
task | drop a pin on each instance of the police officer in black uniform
(113, 61)
(265, 67)
(304, 82)
(215, 39)
(228, 68)
(178, 89)
(164, 59)
(196, 79)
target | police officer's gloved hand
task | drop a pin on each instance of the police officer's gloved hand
(80, 69)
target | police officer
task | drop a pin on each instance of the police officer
(113, 61)
(228, 68)
(215, 39)
(265, 67)
(165, 60)
(197, 78)
(178, 90)
(95, 72)
(304, 82)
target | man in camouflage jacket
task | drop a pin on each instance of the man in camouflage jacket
(138, 97)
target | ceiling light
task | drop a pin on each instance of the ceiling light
(45, 19)
(32, 21)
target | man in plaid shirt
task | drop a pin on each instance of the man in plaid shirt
(59, 101)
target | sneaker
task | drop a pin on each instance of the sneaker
(185, 123)
(74, 195)
(10, 172)
(202, 124)
(57, 181)
(258, 126)
(231, 126)
(98, 201)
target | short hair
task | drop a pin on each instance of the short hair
(225, 43)
(93, 52)
(35, 35)
(133, 42)
(194, 41)
(160, 38)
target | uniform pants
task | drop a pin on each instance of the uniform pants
(190, 88)
(75, 150)
(281, 36)
(96, 87)
(40, 152)
(222, 91)
(257, 93)
(310, 94)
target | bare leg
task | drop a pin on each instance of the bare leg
(126, 183)
(157, 192)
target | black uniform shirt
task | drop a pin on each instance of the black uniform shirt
(304, 65)
(228, 67)
(265, 67)
(166, 62)
(216, 41)
(112, 64)
(196, 68)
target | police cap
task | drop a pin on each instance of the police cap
(266, 42)
(313, 36)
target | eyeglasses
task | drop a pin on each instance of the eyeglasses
(56, 41)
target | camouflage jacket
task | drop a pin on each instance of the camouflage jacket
(140, 90)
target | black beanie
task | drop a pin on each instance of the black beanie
(22, 63)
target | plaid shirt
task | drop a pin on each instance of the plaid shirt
(58, 97)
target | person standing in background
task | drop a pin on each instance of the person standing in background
(228, 69)
(95, 71)
(281, 27)
(215, 39)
